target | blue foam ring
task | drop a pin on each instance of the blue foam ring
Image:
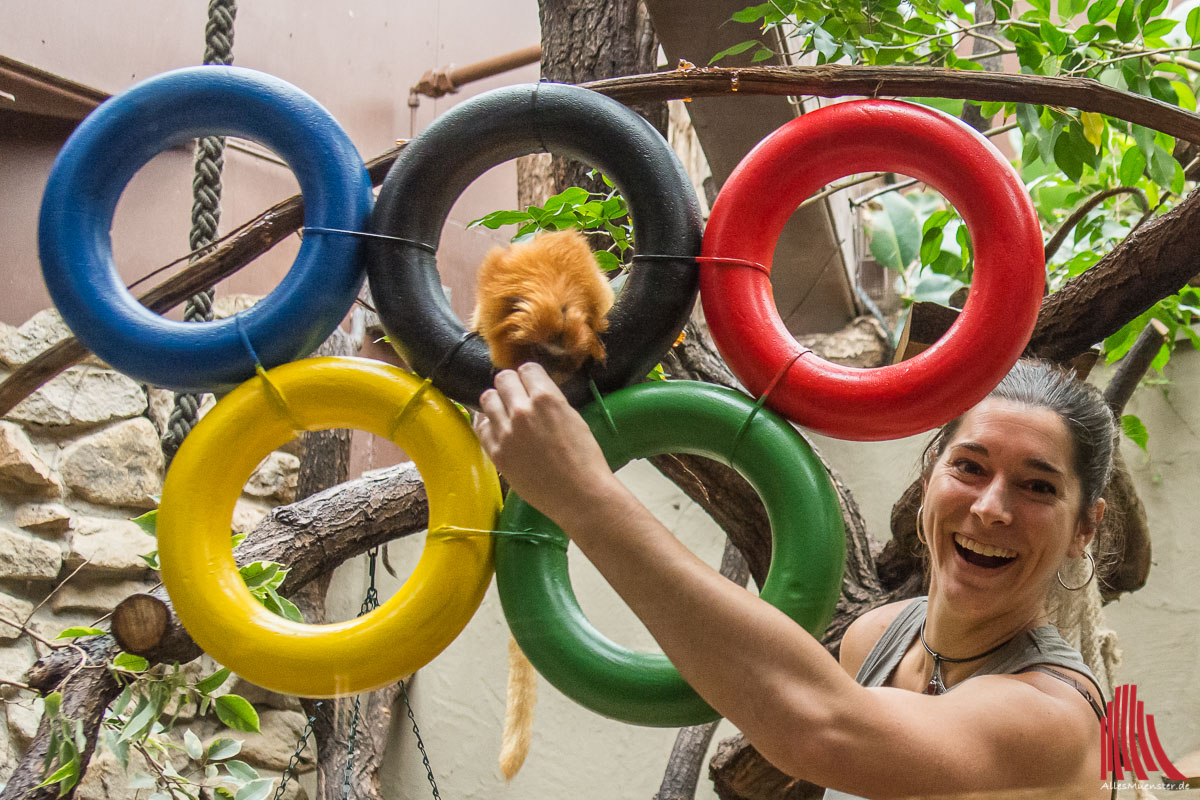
(170, 109)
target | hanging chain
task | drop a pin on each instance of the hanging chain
(420, 743)
(294, 763)
(370, 603)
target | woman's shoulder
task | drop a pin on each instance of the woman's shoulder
(865, 631)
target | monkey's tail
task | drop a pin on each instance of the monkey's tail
(518, 715)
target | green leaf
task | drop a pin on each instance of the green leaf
(1052, 36)
(568, 198)
(71, 633)
(931, 245)
(148, 522)
(825, 44)
(223, 793)
(67, 774)
(895, 232)
(236, 712)
(1135, 429)
(1133, 163)
(130, 662)
(606, 260)
(1100, 10)
(740, 47)
(241, 770)
(282, 606)
(761, 55)
(1162, 166)
(213, 682)
(192, 745)
(1192, 25)
(763, 11)
(1145, 140)
(1187, 98)
(1159, 27)
(1127, 28)
(256, 790)
(1028, 115)
(259, 573)
(498, 219)
(140, 721)
(221, 749)
(51, 703)
(1149, 9)
(1067, 9)
(1067, 156)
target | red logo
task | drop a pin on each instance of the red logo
(1130, 743)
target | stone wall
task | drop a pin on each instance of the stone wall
(78, 459)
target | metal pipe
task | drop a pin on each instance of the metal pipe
(438, 82)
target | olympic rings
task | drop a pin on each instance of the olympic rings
(494, 127)
(124, 133)
(939, 383)
(218, 456)
(804, 580)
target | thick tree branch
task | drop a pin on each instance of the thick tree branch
(1153, 262)
(837, 80)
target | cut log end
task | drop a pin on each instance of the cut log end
(139, 623)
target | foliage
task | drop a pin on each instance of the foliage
(153, 702)
(141, 720)
(575, 208)
(1064, 156)
(263, 578)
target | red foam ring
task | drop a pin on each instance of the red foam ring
(948, 378)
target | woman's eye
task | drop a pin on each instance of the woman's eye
(967, 466)
(1043, 487)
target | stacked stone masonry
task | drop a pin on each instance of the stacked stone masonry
(78, 460)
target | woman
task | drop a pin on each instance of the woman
(1011, 494)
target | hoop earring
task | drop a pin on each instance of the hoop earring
(1085, 583)
(920, 538)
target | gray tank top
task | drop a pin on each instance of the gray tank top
(1041, 645)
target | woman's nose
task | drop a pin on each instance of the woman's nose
(992, 506)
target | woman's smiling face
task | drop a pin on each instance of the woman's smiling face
(1003, 508)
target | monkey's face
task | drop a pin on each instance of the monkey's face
(561, 336)
(544, 300)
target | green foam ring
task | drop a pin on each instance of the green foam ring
(808, 546)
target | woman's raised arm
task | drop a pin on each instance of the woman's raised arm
(752, 663)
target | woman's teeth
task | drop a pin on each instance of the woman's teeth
(983, 549)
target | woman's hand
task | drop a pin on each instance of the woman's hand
(541, 445)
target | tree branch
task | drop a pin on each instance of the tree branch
(836, 80)
(1153, 262)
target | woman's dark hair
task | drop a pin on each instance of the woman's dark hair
(1039, 384)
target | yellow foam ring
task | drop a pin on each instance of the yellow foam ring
(403, 634)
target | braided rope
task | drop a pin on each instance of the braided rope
(206, 212)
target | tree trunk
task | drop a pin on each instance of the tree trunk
(585, 41)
